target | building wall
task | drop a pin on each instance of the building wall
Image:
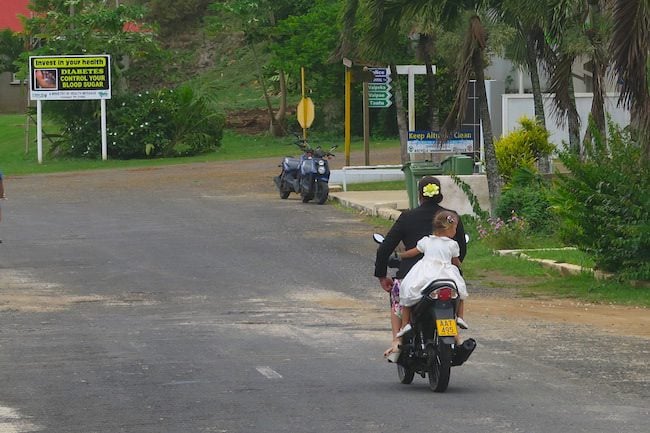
(13, 96)
(515, 106)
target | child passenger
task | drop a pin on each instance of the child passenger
(440, 261)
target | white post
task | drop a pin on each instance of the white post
(411, 99)
(39, 131)
(104, 144)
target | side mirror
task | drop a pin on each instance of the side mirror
(378, 238)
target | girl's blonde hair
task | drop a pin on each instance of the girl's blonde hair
(444, 219)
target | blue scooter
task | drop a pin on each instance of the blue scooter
(308, 175)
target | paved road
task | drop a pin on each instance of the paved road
(161, 301)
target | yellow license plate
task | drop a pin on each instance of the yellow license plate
(446, 327)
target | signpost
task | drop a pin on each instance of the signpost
(72, 77)
(379, 89)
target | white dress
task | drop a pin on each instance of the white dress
(435, 265)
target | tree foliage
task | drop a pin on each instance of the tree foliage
(11, 45)
(91, 27)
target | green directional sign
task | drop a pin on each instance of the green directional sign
(380, 103)
(379, 87)
(379, 95)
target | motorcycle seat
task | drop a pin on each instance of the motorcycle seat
(291, 163)
(437, 284)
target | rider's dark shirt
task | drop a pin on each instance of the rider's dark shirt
(411, 226)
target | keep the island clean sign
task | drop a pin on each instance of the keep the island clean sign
(70, 77)
(429, 142)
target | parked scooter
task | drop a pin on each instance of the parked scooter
(308, 175)
(430, 348)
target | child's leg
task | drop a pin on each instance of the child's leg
(460, 313)
(461, 308)
(406, 315)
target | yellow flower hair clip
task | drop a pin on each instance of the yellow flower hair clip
(430, 190)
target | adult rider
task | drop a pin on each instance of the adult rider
(411, 226)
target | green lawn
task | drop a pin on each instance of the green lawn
(17, 157)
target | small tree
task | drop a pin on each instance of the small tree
(522, 148)
(604, 203)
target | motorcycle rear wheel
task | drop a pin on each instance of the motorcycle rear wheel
(440, 367)
(321, 192)
(405, 374)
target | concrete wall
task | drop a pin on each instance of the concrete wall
(454, 197)
(13, 96)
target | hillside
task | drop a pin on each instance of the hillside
(226, 67)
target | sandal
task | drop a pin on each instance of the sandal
(393, 357)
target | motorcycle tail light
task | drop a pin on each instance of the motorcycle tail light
(444, 294)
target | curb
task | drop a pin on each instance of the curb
(384, 210)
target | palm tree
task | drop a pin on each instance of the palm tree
(629, 47)
(472, 63)
(577, 28)
(525, 50)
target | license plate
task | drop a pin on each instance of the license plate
(446, 327)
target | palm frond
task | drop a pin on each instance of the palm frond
(346, 46)
(629, 47)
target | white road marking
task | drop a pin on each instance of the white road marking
(268, 372)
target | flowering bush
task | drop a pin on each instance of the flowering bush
(163, 123)
(500, 234)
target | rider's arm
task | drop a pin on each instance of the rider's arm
(386, 248)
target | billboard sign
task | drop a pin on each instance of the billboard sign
(427, 142)
(70, 77)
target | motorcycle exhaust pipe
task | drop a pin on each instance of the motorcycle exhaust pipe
(463, 352)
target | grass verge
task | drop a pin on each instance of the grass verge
(18, 156)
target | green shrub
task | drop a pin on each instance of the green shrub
(164, 123)
(527, 196)
(522, 148)
(604, 203)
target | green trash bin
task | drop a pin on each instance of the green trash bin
(458, 164)
(464, 165)
(413, 172)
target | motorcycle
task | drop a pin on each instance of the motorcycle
(429, 348)
(308, 175)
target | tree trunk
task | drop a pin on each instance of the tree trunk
(491, 169)
(573, 120)
(402, 124)
(267, 98)
(278, 124)
(543, 164)
(531, 60)
(425, 41)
